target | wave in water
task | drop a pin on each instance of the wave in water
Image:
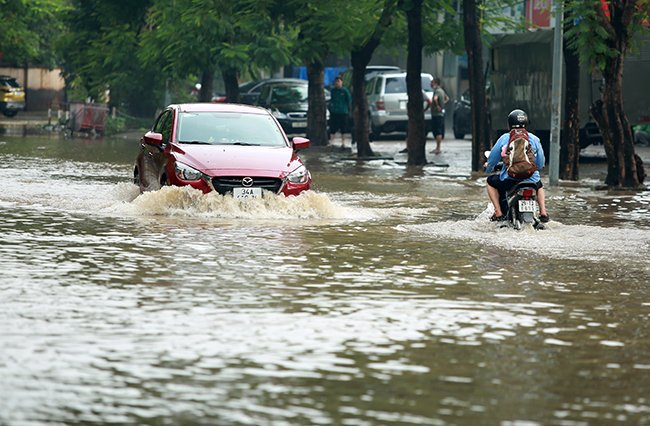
(579, 242)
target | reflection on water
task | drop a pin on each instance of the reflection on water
(381, 297)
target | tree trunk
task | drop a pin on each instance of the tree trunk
(617, 132)
(232, 85)
(570, 147)
(205, 93)
(416, 140)
(596, 111)
(481, 137)
(316, 116)
(360, 59)
(624, 168)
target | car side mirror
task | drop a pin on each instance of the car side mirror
(300, 143)
(153, 138)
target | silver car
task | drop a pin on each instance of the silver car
(387, 102)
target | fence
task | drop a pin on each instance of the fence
(80, 117)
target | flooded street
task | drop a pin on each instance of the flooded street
(384, 296)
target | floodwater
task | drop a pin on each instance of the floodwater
(382, 297)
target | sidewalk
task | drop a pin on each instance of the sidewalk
(26, 118)
(456, 157)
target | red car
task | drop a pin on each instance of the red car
(232, 149)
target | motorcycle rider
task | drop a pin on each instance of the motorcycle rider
(498, 185)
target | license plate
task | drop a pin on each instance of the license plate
(526, 205)
(247, 192)
(300, 124)
(402, 104)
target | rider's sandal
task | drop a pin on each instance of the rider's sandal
(544, 218)
(495, 218)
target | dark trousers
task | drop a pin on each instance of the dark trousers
(503, 186)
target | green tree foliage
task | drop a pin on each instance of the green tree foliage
(197, 37)
(27, 28)
(324, 27)
(604, 33)
(100, 54)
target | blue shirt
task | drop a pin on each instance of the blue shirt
(495, 156)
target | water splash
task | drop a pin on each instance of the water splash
(187, 201)
(580, 242)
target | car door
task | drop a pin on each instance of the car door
(154, 158)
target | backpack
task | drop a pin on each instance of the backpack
(519, 157)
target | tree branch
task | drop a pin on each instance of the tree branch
(602, 17)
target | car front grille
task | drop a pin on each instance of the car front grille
(297, 115)
(224, 184)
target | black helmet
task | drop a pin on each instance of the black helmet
(517, 119)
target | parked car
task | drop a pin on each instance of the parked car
(463, 116)
(218, 97)
(228, 148)
(288, 101)
(250, 91)
(387, 102)
(12, 96)
(371, 71)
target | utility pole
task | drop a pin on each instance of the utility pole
(556, 105)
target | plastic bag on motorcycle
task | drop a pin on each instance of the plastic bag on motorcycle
(519, 156)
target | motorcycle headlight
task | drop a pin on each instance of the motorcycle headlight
(185, 172)
(300, 175)
(279, 115)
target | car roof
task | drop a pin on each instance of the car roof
(284, 80)
(219, 107)
(401, 74)
(382, 67)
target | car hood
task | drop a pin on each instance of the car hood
(217, 160)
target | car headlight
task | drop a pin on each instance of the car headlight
(279, 115)
(300, 175)
(185, 172)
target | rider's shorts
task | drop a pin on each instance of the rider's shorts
(503, 186)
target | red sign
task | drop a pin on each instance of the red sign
(539, 12)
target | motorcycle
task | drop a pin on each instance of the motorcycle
(522, 200)
(522, 209)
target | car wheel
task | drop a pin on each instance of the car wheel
(10, 113)
(457, 133)
(136, 177)
(374, 131)
(163, 181)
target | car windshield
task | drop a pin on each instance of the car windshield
(426, 83)
(228, 128)
(10, 82)
(284, 93)
(398, 84)
(395, 85)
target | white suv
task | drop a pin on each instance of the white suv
(387, 102)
